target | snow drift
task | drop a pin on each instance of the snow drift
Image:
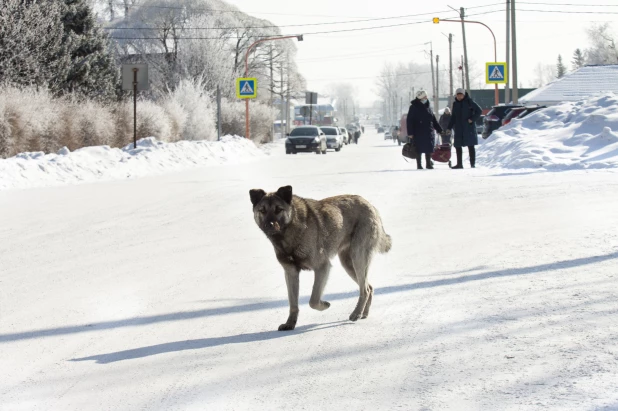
(575, 135)
(36, 169)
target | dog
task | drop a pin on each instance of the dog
(306, 234)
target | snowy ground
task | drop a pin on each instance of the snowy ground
(160, 293)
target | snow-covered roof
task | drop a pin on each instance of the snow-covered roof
(583, 83)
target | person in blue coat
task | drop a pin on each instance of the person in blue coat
(421, 124)
(463, 120)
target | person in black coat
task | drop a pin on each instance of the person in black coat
(421, 124)
(463, 120)
(444, 121)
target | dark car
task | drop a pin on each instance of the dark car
(511, 114)
(308, 139)
(493, 119)
(529, 110)
(380, 129)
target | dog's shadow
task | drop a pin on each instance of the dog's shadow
(205, 343)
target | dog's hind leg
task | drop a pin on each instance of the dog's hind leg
(360, 262)
(321, 277)
(292, 283)
(346, 262)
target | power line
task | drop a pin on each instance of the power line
(568, 4)
(569, 12)
(290, 25)
(306, 34)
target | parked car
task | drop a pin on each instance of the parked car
(388, 135)
(380, 129)
(493, 119)
(511, 114)
(529, 110)
(308, 139)
(334, 138)
(346, 135)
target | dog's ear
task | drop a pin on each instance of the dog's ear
(256, 196)
(285, 193)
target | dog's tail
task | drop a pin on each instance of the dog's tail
(385, 243)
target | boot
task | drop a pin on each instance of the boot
(419, 166)
(428, 161)
(472, 152)
(459, 158)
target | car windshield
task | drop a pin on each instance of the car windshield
(329, 131)
(304, 131)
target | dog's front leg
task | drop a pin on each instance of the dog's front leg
(321, 277)
(292, 282)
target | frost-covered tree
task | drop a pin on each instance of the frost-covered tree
(604, 49)
(93, 72)
(32, 48)
(560, 67)
(56, 44)
(579, 60)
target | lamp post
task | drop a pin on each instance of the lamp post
(438, 20)
(298, 37)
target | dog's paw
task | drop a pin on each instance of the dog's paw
(287, 327)
(325, 305)
(354, 316)
(364, 316)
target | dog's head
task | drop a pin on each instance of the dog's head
(272, 211)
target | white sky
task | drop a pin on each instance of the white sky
(541, 36)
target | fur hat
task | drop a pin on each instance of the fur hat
(421, 94)
(460, 91)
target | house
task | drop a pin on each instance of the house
(585, 82)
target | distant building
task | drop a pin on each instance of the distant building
(487, 99)
(585, 82)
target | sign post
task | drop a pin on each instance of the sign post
(135, 77)
(311, 99)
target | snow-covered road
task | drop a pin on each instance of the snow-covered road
(160, 293)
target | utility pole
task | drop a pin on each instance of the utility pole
(463, 69)
(514, 68)
(287, 101)
(218, 113)
(463, 31)
(433, 81)
(450, 66)
(507, 91)
(436, 104)
(282, 105)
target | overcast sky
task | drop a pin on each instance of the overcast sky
(357, 57)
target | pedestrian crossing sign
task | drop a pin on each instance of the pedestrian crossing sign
(246, 88)
(496, 73)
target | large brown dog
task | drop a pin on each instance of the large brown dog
(307, 234)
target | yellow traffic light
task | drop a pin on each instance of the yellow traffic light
(436, 20)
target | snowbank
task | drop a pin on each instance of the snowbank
(99, 163)
(576, 135)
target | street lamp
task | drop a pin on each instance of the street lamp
(298, 37)
(437, 20)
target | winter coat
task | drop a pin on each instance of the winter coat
(421, 124)
(465, 132)
(445, 119)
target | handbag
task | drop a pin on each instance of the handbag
(409, 151)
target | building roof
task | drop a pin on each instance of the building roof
(582, 83)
